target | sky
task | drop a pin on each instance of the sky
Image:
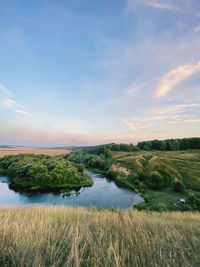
(76, 72)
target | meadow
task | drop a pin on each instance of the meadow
(183, 165)
(65, 236)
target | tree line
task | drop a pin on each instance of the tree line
(170, 144)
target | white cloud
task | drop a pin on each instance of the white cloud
(12, 103)
(176, 76)
(192, 121)
(132, 4)
(175, 122)
(161, 6)
(183, 122)
(129, 124)
(159, 118)
(177, 108)
(4, 90)
(134, 87)
(197, 29)
(9, 103)
(181, 6)
(22, 112)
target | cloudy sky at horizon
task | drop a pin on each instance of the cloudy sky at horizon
(90, 72)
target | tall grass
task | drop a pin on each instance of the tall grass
(66, 236)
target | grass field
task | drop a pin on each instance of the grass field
(36, 151)
(65, 236)
(184, 165)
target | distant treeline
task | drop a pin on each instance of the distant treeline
(163, 145)
(5, 146)
(170, 144)
(106, 149)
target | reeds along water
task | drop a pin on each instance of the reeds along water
(66, 236)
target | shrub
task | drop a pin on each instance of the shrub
(178, 186)
(159, 207)
(142, 188)
(155, 180)
(113, 209)
(194, 201)
(2, 172)
(147, 198)
(142, 176)
(133, 177)
(112, 174)
(141, 206)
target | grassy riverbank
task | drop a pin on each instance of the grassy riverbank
(65, 236)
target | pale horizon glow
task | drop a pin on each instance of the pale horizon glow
(95, 72)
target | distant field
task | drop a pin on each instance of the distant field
(36, 151)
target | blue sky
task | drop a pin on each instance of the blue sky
(79, 72)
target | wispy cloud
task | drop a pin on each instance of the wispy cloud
(12, 103)
(9, 103)
(192, 121)
(181, 6)
(134, 88)
(176, 76)
(4, 90)
(23, 112)
(197, 29)
(160, 5)
(177, 108)
(129, 124)
(184, 122)
(154, 4)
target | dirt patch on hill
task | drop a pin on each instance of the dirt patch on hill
(120, 168)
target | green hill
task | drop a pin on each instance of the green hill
(161, 177)
(184, 165)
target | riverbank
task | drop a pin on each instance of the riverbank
(66, 236)
(162, 178)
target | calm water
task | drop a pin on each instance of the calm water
(104, 193)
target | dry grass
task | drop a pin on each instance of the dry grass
(36, 151)
(65, 236)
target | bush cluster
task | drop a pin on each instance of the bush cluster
(43, 171)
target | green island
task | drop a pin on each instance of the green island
(43, 173)
(163, 172)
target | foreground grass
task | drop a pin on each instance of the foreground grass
(65, 236)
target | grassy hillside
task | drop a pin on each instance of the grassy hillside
(161, 177)
(65, 236)
(184, 165)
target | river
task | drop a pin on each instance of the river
(104, 193)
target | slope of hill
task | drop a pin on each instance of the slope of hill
(184, 165)
(161, 177)
(65, 236)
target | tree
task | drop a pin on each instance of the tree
(178, 186)
(155, 180)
